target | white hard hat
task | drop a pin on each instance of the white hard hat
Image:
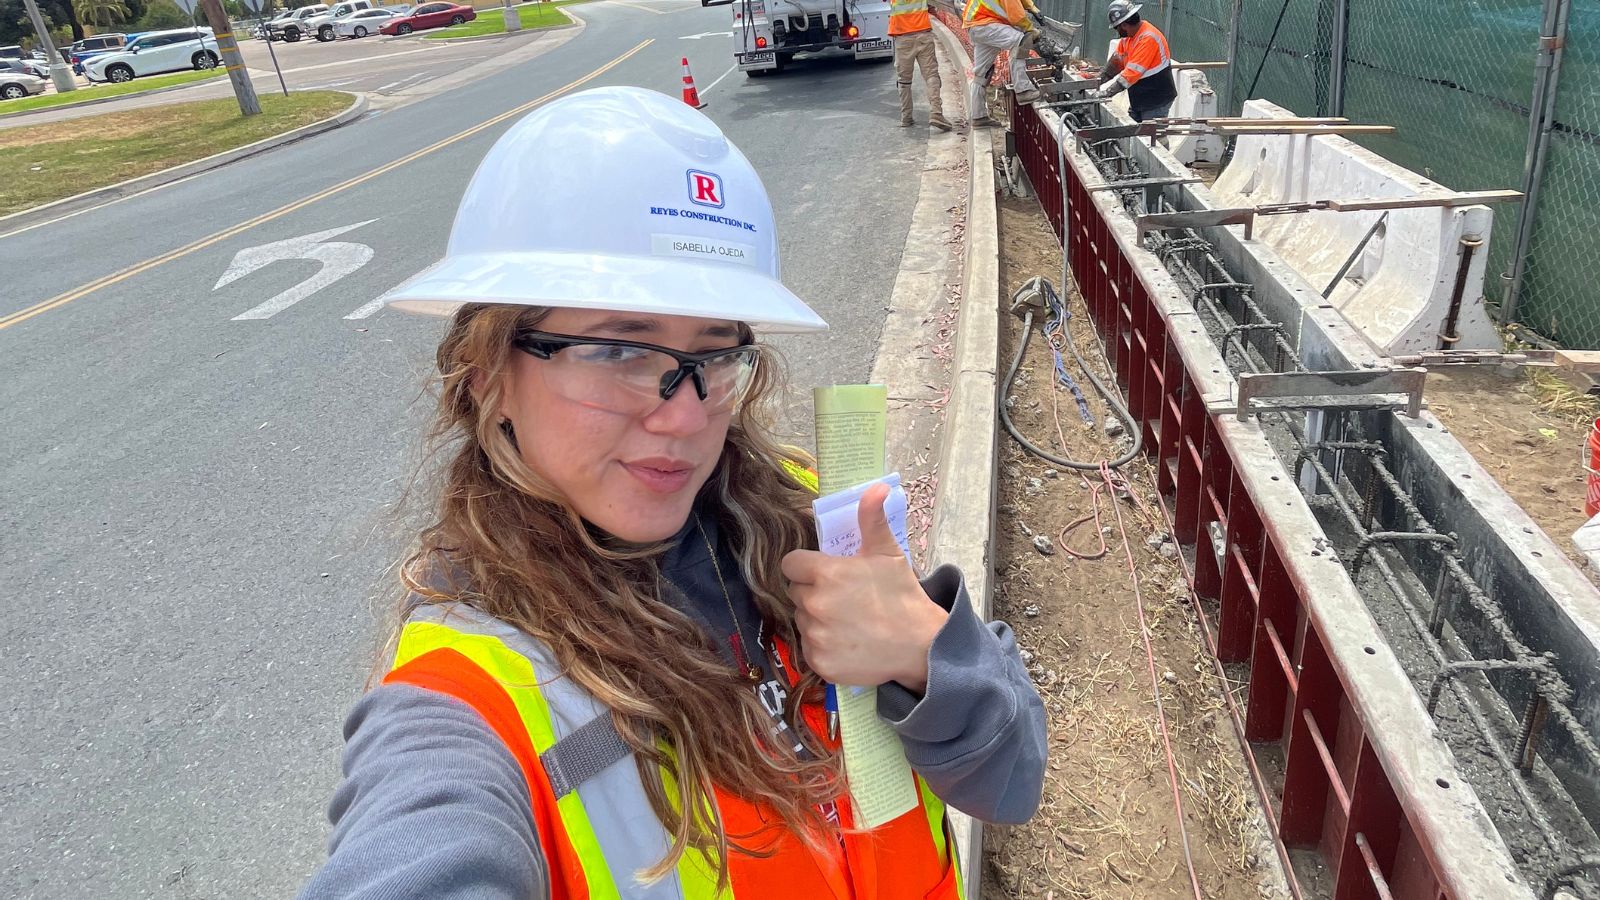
(616, 198)
(1122, 10)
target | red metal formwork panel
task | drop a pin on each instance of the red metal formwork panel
(1334, 795)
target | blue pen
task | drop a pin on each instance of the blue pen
(831, 704)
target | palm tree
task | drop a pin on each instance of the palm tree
(100, 12)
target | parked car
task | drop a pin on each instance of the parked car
(264, 30)
(155, 52)
(15, 85)
(322, 26)
(10, 51)
(25, 66)
(429, 15)
(81, 51)
(292, 27)
(365, 22)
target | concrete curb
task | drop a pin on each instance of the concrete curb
(29, 217)
(199, 82)
(963, 510)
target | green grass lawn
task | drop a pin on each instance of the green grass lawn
(96, 91)
(41, 163)
(492, 21)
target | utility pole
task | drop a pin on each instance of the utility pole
(231, 58)
(513, 20)
(60, 72)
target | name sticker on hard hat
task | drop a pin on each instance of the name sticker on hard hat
(702, 248)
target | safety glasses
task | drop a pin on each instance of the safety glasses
(635, 378)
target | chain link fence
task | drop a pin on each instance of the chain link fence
(1464, 82)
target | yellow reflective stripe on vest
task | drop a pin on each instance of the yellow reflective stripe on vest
(515, 673)
(902, 7)
(696, 879)
(937, 821)
(974, 5)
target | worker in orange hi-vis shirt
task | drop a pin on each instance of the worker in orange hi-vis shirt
(995, 27)
(1141, 64)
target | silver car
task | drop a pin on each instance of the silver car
(14, 84)
(361, 23)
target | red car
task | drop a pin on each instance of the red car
(429, 15)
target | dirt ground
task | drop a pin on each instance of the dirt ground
(1529, 431)
(1109, 825)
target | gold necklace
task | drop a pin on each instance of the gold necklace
(748, 670)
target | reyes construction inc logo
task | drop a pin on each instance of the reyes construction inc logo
(705, 189)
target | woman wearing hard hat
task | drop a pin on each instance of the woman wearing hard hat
(607, 681)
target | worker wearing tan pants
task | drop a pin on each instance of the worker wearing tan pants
(913, 47)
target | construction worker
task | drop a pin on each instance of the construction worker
(1141, 64)
(997, 26)
(608, 675)
(914, 46)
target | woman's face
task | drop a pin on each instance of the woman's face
(633, 476)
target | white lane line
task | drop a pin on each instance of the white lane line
(713, 84)
(360, 59)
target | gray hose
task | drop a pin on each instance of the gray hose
(1110, 396)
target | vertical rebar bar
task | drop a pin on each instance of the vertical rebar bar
(1533, 716)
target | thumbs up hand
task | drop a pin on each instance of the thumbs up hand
(865, 619)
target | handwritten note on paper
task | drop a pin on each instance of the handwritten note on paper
(850, 422)
(881, 785)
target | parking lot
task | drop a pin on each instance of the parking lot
(390, 70)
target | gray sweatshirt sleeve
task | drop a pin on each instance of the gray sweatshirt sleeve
(977, 736)
(432, 805)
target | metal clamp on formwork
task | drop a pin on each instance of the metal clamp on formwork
(1347, 390)
(1198, 218)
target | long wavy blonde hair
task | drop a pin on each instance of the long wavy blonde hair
(509, 545)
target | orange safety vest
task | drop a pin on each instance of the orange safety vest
(908, 17)
(992, 12)
(593, 819)
(1145, 53)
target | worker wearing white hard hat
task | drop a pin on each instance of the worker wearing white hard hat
(1140, 63)
(618, 612)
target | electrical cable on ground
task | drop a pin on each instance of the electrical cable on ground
(1038, 292)
(1047, 298)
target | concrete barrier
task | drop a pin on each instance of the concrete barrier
(1196, 100)
(1400, 289)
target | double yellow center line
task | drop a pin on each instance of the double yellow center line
(61, 300)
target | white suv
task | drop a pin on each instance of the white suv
(155, 52)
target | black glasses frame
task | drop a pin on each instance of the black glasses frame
(691, 366)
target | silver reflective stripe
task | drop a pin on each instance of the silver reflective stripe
(613, 798)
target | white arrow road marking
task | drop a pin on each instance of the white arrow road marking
(696, 37)
(372, 306)
(338, 259)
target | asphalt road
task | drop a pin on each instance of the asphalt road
(196, 512)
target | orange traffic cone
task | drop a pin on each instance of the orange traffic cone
(690, 95)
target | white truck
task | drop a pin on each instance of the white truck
(768, 33)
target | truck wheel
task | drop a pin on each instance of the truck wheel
(325, 33)
(292, 35)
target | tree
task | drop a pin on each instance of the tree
(100, 13)
(160, 15)
(62, 12)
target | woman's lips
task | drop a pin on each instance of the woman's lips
(664, 476)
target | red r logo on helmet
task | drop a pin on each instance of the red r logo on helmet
(705, 189)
